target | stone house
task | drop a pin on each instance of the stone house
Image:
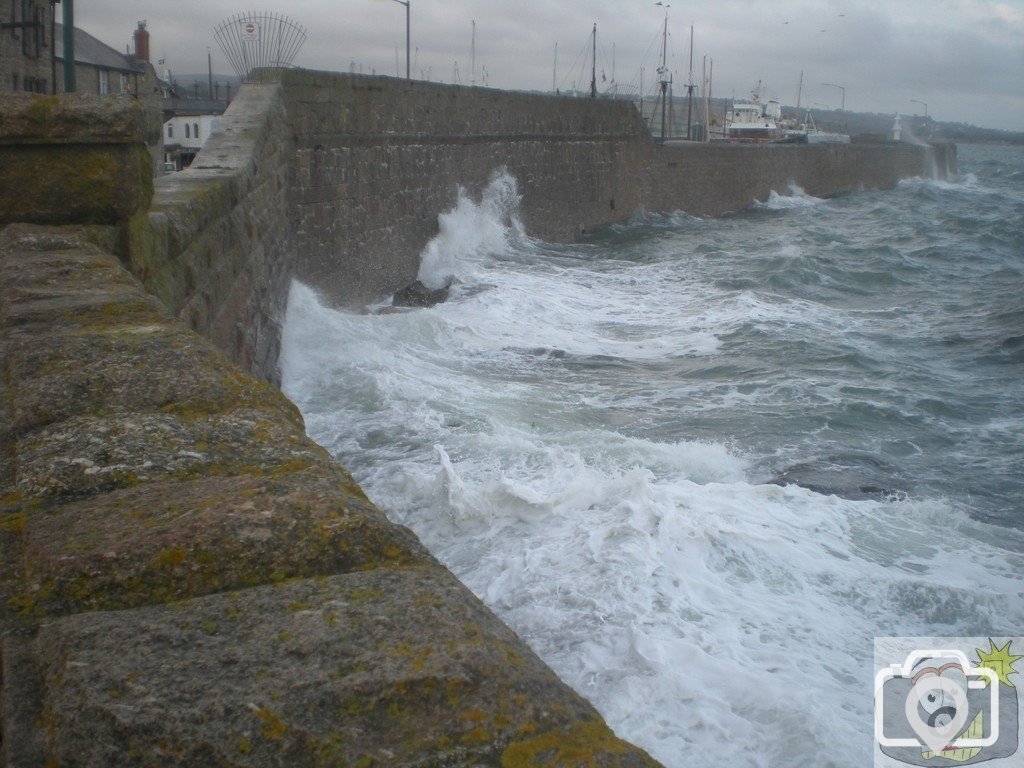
(26, 46)
(103, 70)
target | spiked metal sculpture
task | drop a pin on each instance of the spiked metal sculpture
(256, 44)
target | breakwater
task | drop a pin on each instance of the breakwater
(186, 577)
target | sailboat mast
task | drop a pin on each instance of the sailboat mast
(554, 72)
(663, 72)
(711, 80)
(641, 93)
(799, 92)
(704, 85)
(593, 71)
(689, 90)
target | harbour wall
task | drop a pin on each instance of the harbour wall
(378, 159)
(185, 577)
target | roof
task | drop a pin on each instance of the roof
(194, 107)
(89, 50)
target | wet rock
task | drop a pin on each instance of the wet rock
(416, 294)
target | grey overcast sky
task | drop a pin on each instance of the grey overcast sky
(964, 58)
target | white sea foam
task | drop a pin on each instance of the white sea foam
(711, 619)
(797, 198)
(685, 602)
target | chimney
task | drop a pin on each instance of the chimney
(142, 42)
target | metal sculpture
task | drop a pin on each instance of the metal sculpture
(257, 44)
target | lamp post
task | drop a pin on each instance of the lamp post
(923, 104)
(841, 88)
(408, 75)
(69, 46)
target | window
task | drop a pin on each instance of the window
(104, 83)
(195, 130)
(32, 38)
(38, 39)
(170, 131)
(14, 18)
(14, 83)
(187, 134)
(26, 38)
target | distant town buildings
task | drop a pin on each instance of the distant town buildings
(32, 56)
(32, 60)
(102, 70)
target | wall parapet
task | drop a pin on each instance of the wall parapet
(215, 245)
(74, 159)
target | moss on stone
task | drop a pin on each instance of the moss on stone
(584, 745)
(273, 727)
(12, 522)
(90, 184)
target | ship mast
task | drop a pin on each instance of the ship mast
(593, 71)
(799, 92)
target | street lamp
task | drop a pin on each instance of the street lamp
(407, 70)
(923, 104)
(841, 88)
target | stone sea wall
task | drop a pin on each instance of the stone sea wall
(377, 159)
(215, 245)
(711, 179)
(185, 578)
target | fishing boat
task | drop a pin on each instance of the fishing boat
(751, 121)
(808, 133)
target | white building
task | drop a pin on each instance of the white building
(184, 136)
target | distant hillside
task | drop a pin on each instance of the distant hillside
(924, 128)
(198, 86)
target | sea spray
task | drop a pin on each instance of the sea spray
(931, 164)
(584, 435)
(471, 231)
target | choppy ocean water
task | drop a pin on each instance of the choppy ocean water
(587, 436)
